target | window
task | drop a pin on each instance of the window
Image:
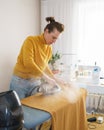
(84, 29)
(91, 32)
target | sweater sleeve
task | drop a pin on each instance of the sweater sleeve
(28, 57)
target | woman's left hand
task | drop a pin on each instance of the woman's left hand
(60, 81)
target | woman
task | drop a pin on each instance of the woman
(32, 62)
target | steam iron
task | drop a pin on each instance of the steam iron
(47, 89)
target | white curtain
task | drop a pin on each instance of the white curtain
(84, 28)
(63, 11)
(91, 31)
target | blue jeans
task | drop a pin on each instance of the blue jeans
(24, 87)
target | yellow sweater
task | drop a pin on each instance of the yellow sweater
(33, 58)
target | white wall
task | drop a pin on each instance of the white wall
(18, 19)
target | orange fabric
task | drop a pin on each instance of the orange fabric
(66, 107)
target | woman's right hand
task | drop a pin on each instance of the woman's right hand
(49, 80)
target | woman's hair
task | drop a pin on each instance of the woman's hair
(52, 24)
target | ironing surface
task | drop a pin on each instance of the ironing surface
(66, 107)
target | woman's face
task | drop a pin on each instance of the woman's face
(51, 37)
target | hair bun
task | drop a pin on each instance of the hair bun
(50, 19)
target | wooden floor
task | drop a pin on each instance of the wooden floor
(98, 127)
(95, 125)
